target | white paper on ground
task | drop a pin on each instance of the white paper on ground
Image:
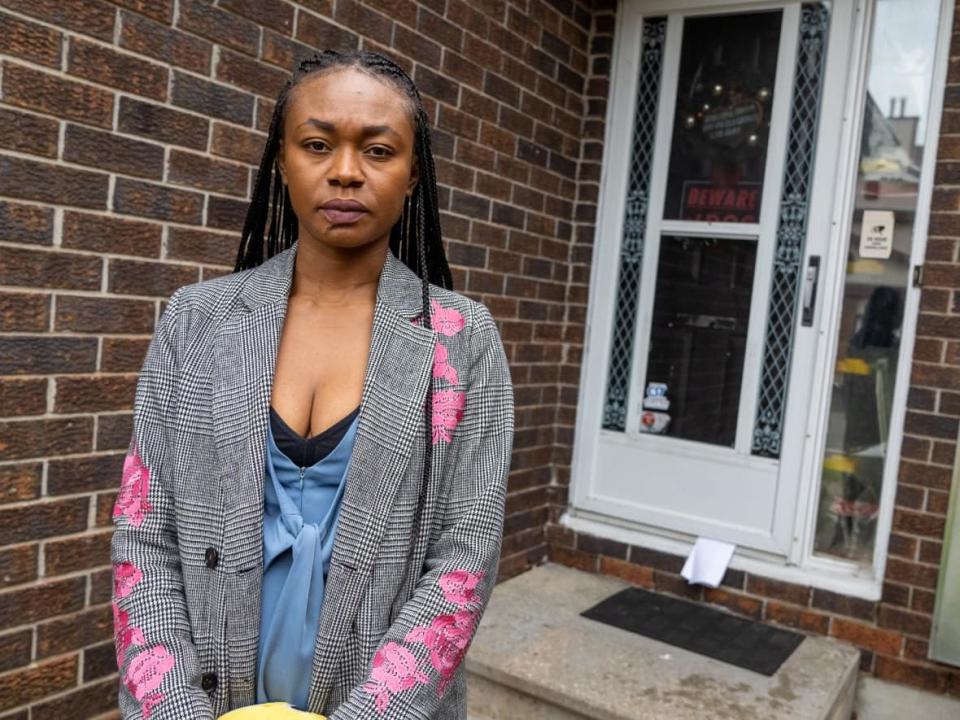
(707, 562)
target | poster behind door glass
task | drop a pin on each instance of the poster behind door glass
(725, 91)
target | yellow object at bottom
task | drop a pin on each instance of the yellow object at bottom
(270, 711)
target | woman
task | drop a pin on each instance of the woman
(348, 580)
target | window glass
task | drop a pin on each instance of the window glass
(877, 276)
(728, 64)
(700, 315)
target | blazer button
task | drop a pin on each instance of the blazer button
(209, 681)
(212, 557)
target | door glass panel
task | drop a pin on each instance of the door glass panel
(877, 275)
(700, 315)
(728, 66)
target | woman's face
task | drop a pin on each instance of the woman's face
(347, 135)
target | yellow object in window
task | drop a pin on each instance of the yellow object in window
(840, 463)
(853, 366)
(270, 711)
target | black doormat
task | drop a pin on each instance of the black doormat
(697, 628)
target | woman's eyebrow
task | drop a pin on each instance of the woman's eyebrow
(365, 131)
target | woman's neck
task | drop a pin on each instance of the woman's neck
(329, 276)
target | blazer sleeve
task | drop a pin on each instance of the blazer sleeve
(419, 654)
(158, 662)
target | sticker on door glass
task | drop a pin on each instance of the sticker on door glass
(876, 234)
(653, 416)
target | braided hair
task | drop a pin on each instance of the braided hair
(271, 199)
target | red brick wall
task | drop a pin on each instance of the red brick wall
(893, 633)
(130, 132)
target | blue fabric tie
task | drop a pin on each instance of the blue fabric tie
(299, 526)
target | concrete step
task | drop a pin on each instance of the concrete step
(534, 657)
(882, 700)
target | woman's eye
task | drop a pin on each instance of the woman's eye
(383, 151)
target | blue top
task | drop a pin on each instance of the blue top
(301, 505)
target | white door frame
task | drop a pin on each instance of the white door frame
(797, 564)
(723, 492)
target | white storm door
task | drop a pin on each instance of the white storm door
(704, 317)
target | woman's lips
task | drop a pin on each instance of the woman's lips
(342, 217)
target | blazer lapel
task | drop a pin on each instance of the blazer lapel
(398, 370)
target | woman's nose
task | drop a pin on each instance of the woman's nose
(345, 167)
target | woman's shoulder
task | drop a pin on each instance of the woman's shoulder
(458, 317)
(195, 310)
(472, 347)
(206, 297)
(468, 331)
(455, 310)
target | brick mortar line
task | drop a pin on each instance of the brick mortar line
(118, 93)
(40, 160)
(42, 581)
(934, 413)
(107, 214)
(63, 694)
(91, 254)
(60, 499)
(32, 112)
(41, 458)
(915, 461)
(70, 334)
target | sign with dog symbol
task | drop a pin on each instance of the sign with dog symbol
(876, 234)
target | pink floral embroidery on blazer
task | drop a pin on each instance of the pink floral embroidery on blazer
(448, 638)
(458, 586)
(123, 634)
(447, 321)
(394, 670)
(441, 368)
(126, 575)
(150, 702)
(447, 413)
(134, 488)
(145, 674)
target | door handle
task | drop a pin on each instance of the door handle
(810, 279)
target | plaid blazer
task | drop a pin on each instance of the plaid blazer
(187, 548)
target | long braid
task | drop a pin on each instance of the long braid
(425, 256)
(428, 445)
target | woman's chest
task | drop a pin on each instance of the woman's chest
(320, 367)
